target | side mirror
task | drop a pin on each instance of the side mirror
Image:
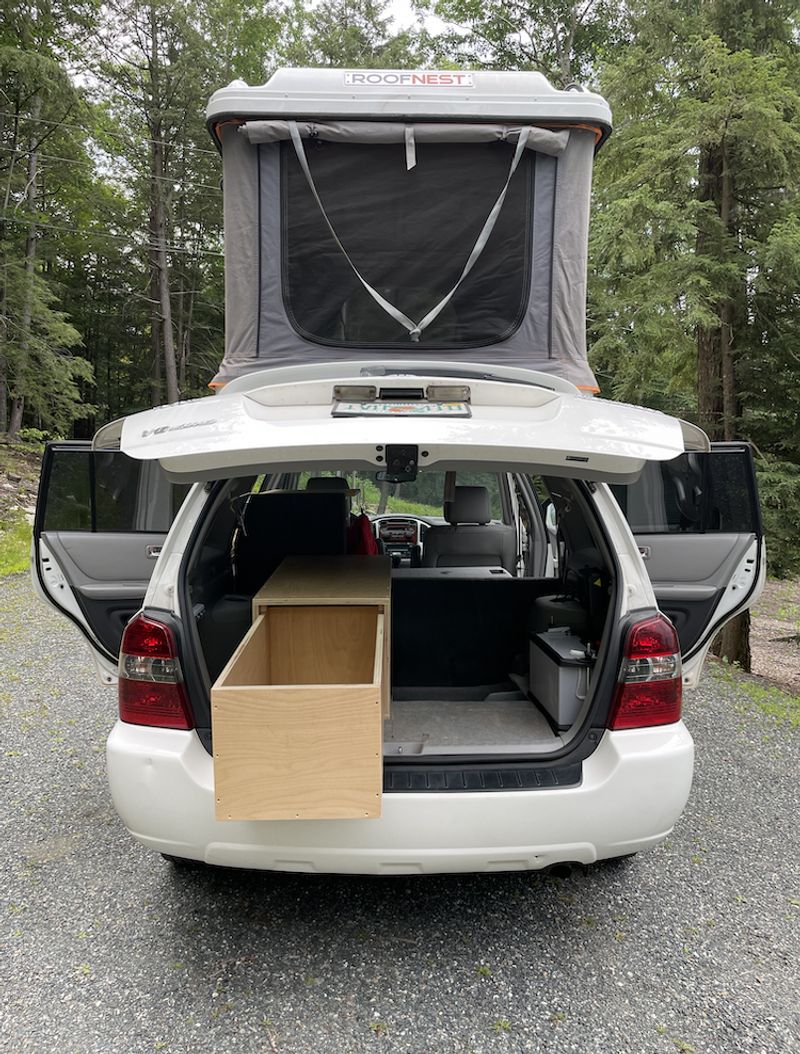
(550, 518)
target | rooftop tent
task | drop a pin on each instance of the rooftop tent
(386, 214)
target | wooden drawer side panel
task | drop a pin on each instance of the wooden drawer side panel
(249, 663)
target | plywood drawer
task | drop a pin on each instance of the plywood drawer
(296, 716)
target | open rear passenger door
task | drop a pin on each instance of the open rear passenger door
(101, 520)
(697, 522)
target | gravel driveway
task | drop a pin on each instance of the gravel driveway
(693, 947)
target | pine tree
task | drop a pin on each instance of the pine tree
(38, 374)
(559, 38)
(346, 33)
(695, 195)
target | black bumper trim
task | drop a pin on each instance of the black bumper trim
(405, 778)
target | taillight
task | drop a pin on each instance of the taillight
(151, 690)
(649, 688)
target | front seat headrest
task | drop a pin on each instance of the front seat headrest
(469, 505)
(330, 483)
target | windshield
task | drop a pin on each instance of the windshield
(424, 496)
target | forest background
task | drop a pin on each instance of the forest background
(111, 266)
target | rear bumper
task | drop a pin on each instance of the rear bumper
(634, 788)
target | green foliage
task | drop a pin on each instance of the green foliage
(36, 337)
(660, 258)
(559, 38)
(694, 87)
(35, 438)
(89, 92)
(346, 33)
(779, 489)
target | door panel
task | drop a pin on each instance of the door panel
(707, 559)
(108, 573)
(697, 523)
(101, 520)
(120, 558)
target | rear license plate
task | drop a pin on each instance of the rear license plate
(398, 409)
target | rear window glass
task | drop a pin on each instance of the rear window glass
(693, 494)
(106, 491)
(410, 234)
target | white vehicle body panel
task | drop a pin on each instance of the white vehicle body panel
(634, 787)
(634, 784)
(291, 424)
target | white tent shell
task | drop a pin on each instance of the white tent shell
(359, 203)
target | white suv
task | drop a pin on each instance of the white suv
(556, 568)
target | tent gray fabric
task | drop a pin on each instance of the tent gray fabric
(550, 335)
(240, 180)
(542, 140)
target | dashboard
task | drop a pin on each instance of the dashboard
(401, 535)
(399, 532)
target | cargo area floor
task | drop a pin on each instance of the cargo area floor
(505, 723)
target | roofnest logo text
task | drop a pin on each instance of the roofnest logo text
(409, 79)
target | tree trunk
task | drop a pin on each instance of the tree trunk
(3, 320)
(162, 269)
(709, 382)
(186, 340)
(733, 642)
(717, 398)
(709, 351)
(15, 421)
(26, 312)
(565, 44)
(159, 200)
(170, 369)
(730, 410)
(155, 303)
(179, 225)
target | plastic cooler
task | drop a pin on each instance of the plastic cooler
(559, 674)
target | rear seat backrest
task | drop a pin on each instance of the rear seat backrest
(471, 540)
(281, 523)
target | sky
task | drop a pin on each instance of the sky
(402, 13)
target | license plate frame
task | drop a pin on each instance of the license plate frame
(399, 408)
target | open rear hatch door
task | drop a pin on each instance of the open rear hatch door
(101, 520)
(350, 423)
(697, 522)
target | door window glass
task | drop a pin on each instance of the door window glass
(69, 501)
(693, 494)
(106, 491)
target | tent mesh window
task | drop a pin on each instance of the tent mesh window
(409, 233)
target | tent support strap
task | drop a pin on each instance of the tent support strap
(414, 329)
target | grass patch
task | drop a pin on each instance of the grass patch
(412, 507)
(15, 544)
(767, 697)
(774, 701)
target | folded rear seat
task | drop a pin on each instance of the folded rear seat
(281, 523)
